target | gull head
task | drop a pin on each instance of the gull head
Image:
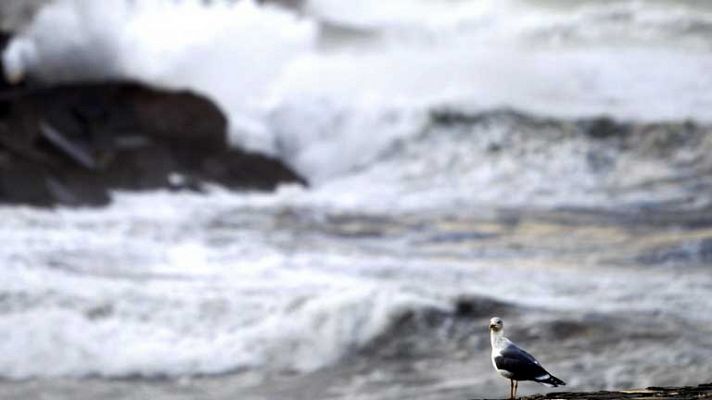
(496, 324)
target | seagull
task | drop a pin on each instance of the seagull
(514, 363)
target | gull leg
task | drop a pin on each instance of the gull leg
(511, 389)
(516, 386)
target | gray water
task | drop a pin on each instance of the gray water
(603, 304)
(459, 169)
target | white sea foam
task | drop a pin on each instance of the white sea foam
(233, 52)
(214, 283)
(86, 297)
(210, 284)
(330, 111)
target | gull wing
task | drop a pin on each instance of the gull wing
(522, 365)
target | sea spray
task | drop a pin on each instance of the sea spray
(400, 131)
(232, 51)
(331, 111)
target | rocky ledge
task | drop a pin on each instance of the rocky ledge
(73, 144)
(669, 393)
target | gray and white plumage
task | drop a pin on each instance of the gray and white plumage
(513, 362)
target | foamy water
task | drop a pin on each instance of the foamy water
(223, 283)
(287, 95)
(175, 284)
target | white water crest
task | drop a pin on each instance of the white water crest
(221, 283)
(328, 110)
(166, 284)
(230, 51)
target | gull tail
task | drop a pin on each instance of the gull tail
(550, 380)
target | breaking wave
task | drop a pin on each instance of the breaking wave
(386, 109)
(330, 110)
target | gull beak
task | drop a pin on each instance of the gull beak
(492, 326)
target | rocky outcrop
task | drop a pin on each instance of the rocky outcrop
(72, 144)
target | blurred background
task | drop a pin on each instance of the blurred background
(328, 199)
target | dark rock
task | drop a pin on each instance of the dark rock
(239, 170)
(480, 307)
(603, 128)
(662, 393)
(22, 181)
(4, 41)
(71, 144)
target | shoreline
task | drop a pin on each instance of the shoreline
(703, 391)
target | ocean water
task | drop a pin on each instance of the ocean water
(459, 165)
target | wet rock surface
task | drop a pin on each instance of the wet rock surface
(72, 144)
(671, 393)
